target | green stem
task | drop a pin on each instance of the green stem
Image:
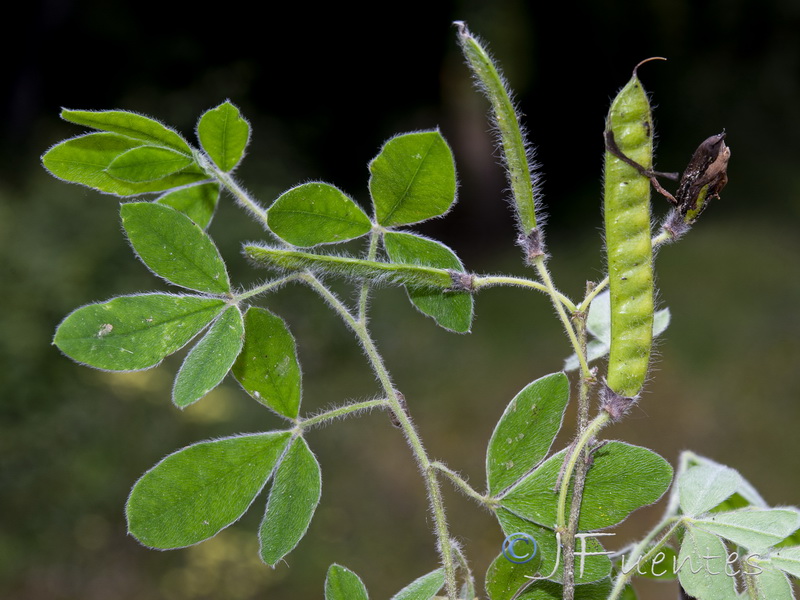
(662, 238)
(581, 468)
(469, 579)
(555, 295)
(372, 252)
(269, 286)
(290, 259)
(408, 428)
(484, 281)
(584, 305)
(405, 274)
(462, 484)
(360, 329)
(673, 504)
(568, 537)
(579, 319)
(229, 183)
(588, 434)
(750, 584)
(341, 411)
(636, 557)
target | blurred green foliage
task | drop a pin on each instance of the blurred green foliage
(74, 440)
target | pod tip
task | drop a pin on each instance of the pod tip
(636, 68)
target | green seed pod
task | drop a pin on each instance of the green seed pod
(629, 132)
(515, 151)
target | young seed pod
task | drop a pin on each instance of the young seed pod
(515, 151)
(629, 127)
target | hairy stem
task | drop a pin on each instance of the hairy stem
(359, 327)
(469, 580)
(577, 337)
(407, 426)
(229, 183)
(363, 295)
(461, 484)
(341, 411)
(586, 437)
(581, 468)
(267, 287)
(568, 536)
(544, 274)
(579, 321)
(485, 281)
(638, 556)
(584, 305)
(751, 585)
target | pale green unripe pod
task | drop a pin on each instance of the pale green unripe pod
(516, 153)
(628, 238)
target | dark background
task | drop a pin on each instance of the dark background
(323, 87)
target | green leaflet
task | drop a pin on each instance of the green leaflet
(194, 493)
(412, 179)
(342, 584)
(130, 125)
(526, 430)
(548, 559)
(294, 496)
(174, 247)
(623, 478)
(198, 202)
(504, 578)
(702, 567)
(294, 260)
(703, 487)
(85, 160)
(210, 360)
(316, 213)
(130, 333)
(224, 135)
(627, 226)
(502, 583)
(787, 542)
(752, 528)
(744, 495)
(422, 588)
(768, 584)
(660, 566)
(147, 163)
(267, 367)
(628, 593)
(787, 559)
(451, 310)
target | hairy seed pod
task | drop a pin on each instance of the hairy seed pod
(629, 130)
(517, 154)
